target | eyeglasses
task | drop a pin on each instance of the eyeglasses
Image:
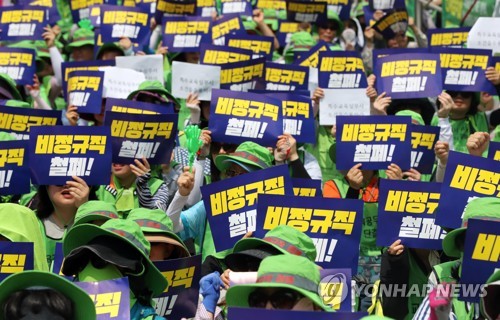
(284, 299)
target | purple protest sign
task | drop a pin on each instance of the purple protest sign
(186, 34)
(14, 169)
(306, 187)
(135, 136)
(212, 54)
(341, 70)
(423, 140)
(393, 23)
(232, 215)
(229, 24)
(19, 121)
(241, 7)
(51, 6)
(123, 22)
(404, 76)
(242, 76)
(386, 4)
(283, 77)
(15, 257)
(448, 37)
(174, 8)
(85, 90)
(180, 299)
(259, 120)
(22, 22)
(19, 64)
(302, 11)
(136, 107)
(260, 45)
(111, 298)
(71, 66)
(494, 150)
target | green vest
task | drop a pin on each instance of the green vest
(417, 277)
(443, 273)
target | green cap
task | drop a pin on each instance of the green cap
(248, 155)
(250, 25)
(7, 83)
(42, 50)
(109, 46)
(154, 86)
(95, 210)
(125, 230)
(282, 271)
(286, 239)
(489, 303)
(332, 15)
(82, 37)
(300, 41)
(416, 118)
(487, 208)
(84, 308)
(158, 227)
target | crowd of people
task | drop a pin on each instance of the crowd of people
(149, 213)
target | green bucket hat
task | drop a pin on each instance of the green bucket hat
(251, 26)
(109, 46)
(286, 239)
(300, 41)
(489, 303)
(248, 155)
(124, 230)
(415, 117)
(95, 210)
(487, 208)
(7, 83)
(158, 227)
(154, 86)
(82, 37)
(84, 308)
(42, 50)
(283, 271)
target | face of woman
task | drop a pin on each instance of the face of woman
(60, 195)
(121, 170)
(280, 298)
(326, 33)
(192, 57)
(462, 101)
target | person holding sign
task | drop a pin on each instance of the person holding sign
(450, 272)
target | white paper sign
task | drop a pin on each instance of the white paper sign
(120, 82)
(343, 102)
(150, 65)
(485, 34)
(313, 79)
(189, 78)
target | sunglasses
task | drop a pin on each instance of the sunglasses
(465, 95)
(330, 26)
(283, 299)
(228, 147)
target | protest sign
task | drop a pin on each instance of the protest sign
(85, 90)
(137, 136)
(229, 24)
(237, 117)
(334, 225)
(379, 53)
(464, 69)
(303, 93)
(67, 67)
(404, 76)
(386, 4)
(123, 22)
(282, 77)
(275, 314)
(285, 30)
(340, 7)
(136, 107)
(193, 78)
(95, 19)
(57, 153)
(80, 9)
(484, 35)
(494, 150)
(19, 64)
(22, 22)
(343, 102)
(261, 46)
(302, 11)
(143, 5)
(15, 257)
(452, 37)
(50, 5)
(423, 140)
(174, 8)
(180, 299)
(466, 177)
(311, 58)
(242, 76)
(336, 288)
(111, 298)
(481, 255)
(120, 82)
(306, 187)
(212, 54)
(14, 169)
(205, 8)
(185, 34)
(341, 69)
(150, 65)
(298, 118)
(231, 204)
(242, 7)
(455, 11)
(373, 141)
(393, 23)
(18, 121)
(407, 211)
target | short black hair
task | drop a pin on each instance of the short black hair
(35, 301)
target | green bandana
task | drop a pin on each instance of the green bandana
(92, 274)
(125, 200)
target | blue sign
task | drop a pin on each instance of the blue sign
(306, 187)
(334, 225)
(373, 141)
(67, 67)
(242, 7)
(423, 140)
(494, 150)
(19, 121)
(137, 107)
(85, 90)
(15, 257)
(185, 34)
(231, 204)
(256, 313)
(386, 4)
(393, 23)
(51, 5)
(123, 22)
(174, 8)
(229, 24)
(14, 169)
(260, 45)
(217, 55)
(284, 77)
(22, 22)
(448, 37)
(303, 11)
(19, 64)
(341, 70)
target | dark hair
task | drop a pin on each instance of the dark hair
(34, 301)
(43, 206)
(473, 103)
